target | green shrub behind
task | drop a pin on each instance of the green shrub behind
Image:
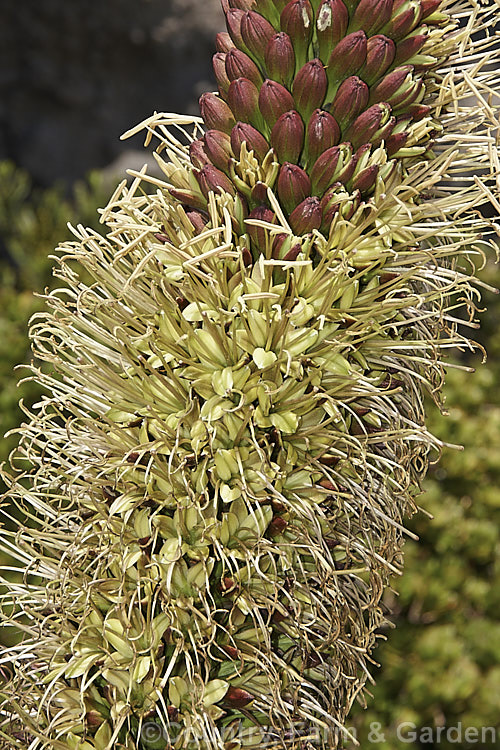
(32, 223)
(440, 666)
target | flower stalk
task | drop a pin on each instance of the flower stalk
(234, 428)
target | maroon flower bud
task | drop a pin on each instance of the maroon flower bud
(429, 7)
(293, 252)
(232, 652)
(350, 99)
(256, 33)
(403, 98)
(280, 242)
(280, 58)
(409, 47)
(307, 216)
(287, 137)
(418, 111)
(380, 55)
(243, 132)
(218, 148)
(331, 25)
(395, 142)
(371, 15)
(277, 526)
(293, 186)
(258, 194)
(366, 124)
(246, 257)
(237, 698)
(188, 198)
(197, 219)
(197, 154)
(216, 113)
(297, 21)
(403, 20)
(330, 205)
(260, 236)
(323, 132)
(349, 167)
(240, 65)
(223, 42)
(348, 57)
(324, 171)
(274, 101)
(383, 132)
(309, 88)
(219, 66)
(212, 179)
(366, 178)
(391, 83)
(233, 23)
(243, 99)
(93, 718)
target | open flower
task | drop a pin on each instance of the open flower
(234, 427)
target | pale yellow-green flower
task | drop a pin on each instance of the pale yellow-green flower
(234, 430)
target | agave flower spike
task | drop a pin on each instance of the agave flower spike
(214, 487)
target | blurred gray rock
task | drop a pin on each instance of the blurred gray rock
(75, 74)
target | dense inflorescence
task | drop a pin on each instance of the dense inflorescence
(334, 89)
(234, 428)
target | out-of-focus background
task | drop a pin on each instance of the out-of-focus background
(76, 74)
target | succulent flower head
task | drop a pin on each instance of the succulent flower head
(234, 428)
(306, 76)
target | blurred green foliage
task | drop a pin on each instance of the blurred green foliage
(441, 665)
(32, 223)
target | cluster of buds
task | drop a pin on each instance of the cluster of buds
(322, 85)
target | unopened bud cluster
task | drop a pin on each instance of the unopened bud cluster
(324, 85)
